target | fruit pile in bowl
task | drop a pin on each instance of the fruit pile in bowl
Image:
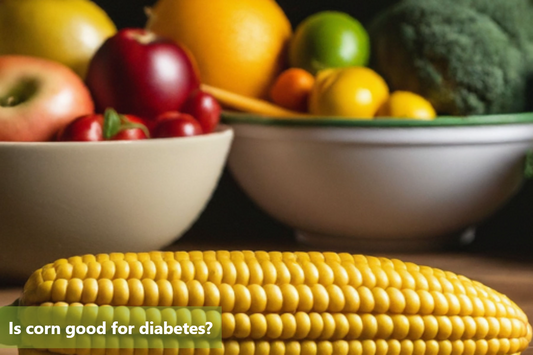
(328, 55)
(137, 86)
(399, 137)
(418, 60)
(107, 141)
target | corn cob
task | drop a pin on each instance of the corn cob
(296, 303)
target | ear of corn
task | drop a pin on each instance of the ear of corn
(296, 303)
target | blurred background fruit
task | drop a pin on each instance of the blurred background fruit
(404, 104)
(329, 39)
(355, 92)
(239, 45)
(69, 32)
(292, 88)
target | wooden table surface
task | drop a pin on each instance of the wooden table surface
(510, 274)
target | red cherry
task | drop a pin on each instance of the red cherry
(205, 108)
(83, 129)
(111, 125)
(131, 134)
(177, 125)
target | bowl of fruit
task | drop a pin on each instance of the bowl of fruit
(125, 160)
(406, 151)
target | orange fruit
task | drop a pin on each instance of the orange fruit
(404, 104)
(239, 45)
(292, 88)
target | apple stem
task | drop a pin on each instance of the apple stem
(143, 37)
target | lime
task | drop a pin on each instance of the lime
(329, 39)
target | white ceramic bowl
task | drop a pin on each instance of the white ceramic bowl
(383, 184)
(61, 199)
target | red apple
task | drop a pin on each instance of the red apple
(205, 108)
(38, 97)
(139, 73)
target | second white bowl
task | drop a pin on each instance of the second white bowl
(380, 184)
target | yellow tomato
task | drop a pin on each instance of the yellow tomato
(407, 105)
(355, 92)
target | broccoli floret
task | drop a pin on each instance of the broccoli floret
(465, 56)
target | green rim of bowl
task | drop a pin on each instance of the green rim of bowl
(230, 117)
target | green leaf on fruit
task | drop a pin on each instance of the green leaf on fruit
(112, 123)
(132, 125)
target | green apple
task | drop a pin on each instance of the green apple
(68, 32)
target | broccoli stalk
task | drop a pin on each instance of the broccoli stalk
(467, 57)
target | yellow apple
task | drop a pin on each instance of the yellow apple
(68, 32)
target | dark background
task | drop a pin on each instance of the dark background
(128, 13)
(231, 214)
